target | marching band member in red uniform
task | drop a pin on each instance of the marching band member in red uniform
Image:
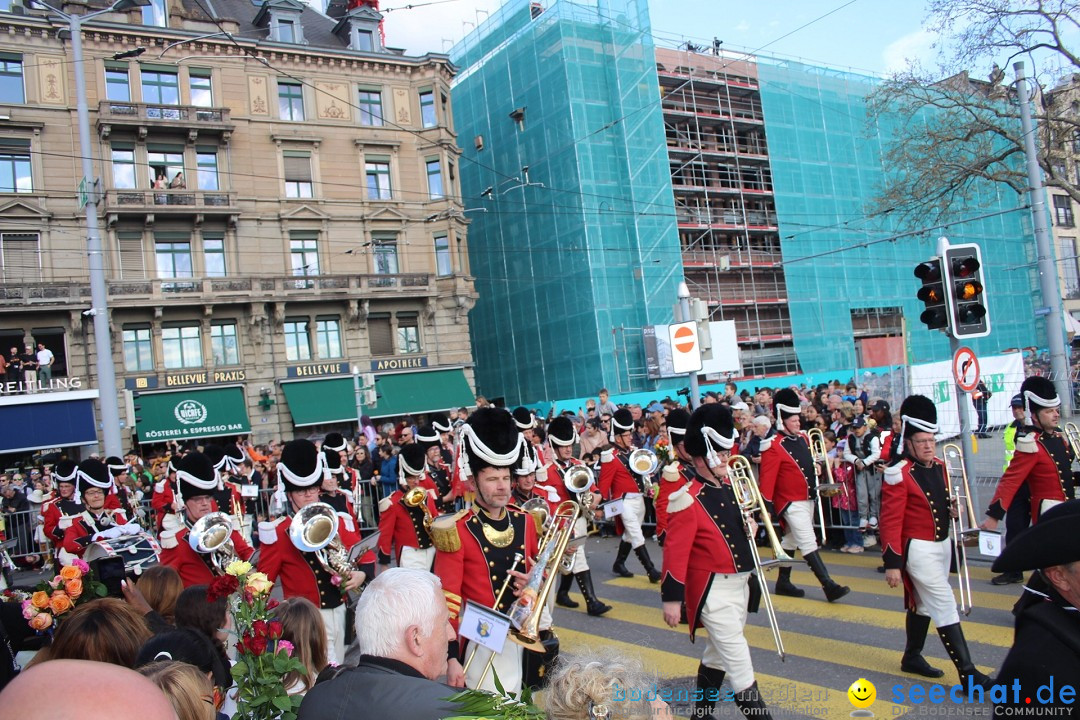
(163, 501)
(442, 425)
(526, 423)
(226, 497)
(302, 573)
(333, 490)
(617, 481)
(673, 479)
(562, 435)
(475, 555)
(95, 522)
(708, 563)
(118, 497)
(916, 546)
(197, 481)
(438, 471)
(1043, 457)
(401, 525)
(788, 479)
(58, 514)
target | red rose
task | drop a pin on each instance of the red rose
(274, 630)
(259, 628)
(257, 645)
(271, 604)
(221, 587)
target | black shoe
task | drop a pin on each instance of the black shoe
(646, 562)
(709, 682)
(562, 597)
(1008, 578)
(833, 590)
(751, 704)
(952, 636)
(619, 568)
(593, 605)
(784, 586)
(913, 661)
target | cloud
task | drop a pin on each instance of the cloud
(742, 27)
(915, 45)
(423, 29)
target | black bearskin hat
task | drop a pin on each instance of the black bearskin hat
(441, 423)
(335, 441)
(677, 422)
(93, 474)
(1039, 393)
(412, 460)
(301, 465)
(918, 414)
(65, 471)
(523, 418)
(561, 431)
(332, 460)
(117, 467)
(491, 439)
(195, 475)
(711, 427)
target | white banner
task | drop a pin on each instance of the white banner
(1003, 375)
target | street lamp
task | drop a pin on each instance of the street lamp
(110, 413)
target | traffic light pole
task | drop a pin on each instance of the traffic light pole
(963, 407)
(1048, 276)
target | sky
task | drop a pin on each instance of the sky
(873, 36)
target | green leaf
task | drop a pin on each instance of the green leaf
(100, 591)
(283, 703)
(240, 669)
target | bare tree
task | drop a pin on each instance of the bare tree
(957, 141)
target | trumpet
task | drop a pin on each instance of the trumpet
(822, 490)
(750, 501)
(417, 497)
(644, 462)
(579, 480)
(212, 535)
(314, 529)
(1072, 432)
(960, 497)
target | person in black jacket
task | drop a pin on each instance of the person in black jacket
(403, 631)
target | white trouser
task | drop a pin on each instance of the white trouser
(632, 516)
(799, 519)
(576, 548)
(927, 564)
(507, 664)
(334, 620)
(1047, 504)
(724, 617)
(417, 559)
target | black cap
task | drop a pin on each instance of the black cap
(441, 423)
(714, 420)
(858, 422)
(196, 475)
(880, 405)
(491, 431)
(428, 437)
(918, 414)
(411, 459)
(1017, 401)
(1053, 540)
(523, 418)
(335, 441)
(93, 474)
(677, 420)
(561, 431)
(65, 472)
(1039, 393)
(300, 466)
(622, 421)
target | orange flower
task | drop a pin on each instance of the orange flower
(40, 600)
(74, 588)
(41, 621)
(60, 603)
(70, 572)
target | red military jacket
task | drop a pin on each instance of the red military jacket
(1042, 460)
(555, 472)
(402, 526)
(705, 536)
(787, 470)
(301, 573)
(616, 479)
(194, 567)
(476, 571)
(667, 487)
(57, 516)
(162, 501)
(85, 525)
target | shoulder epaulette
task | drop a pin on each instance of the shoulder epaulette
(766, 443)
(268, 530)
(168, 539)
(1027, 443)
(384, 504)
(607, 456)
(680, 500)
(895, 473)
(447, 537)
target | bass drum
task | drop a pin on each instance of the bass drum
(138, 552)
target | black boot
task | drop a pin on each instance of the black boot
(1008, 578)
(913, 661)
(709, 681)
(784, 586)
(619, 568)
(646, 562)
(833, 590)
(751, 704)
(593, 605)
(562, 597)
(952, 636)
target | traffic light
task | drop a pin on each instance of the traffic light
(932, 294)
(968, 316)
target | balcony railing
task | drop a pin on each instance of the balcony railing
(220, 289)
(125, 202)
(112, 113)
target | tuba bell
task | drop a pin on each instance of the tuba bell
(644, 462)
(314, 529)
(537, 507)
(212, 535)
(417, 497)
(579, 480)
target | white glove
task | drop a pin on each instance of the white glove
(130, 529)
(110, 534)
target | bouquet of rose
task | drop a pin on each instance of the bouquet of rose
(263, 658)
(663, 451)
(53, 599)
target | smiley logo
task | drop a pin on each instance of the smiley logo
(862, 693)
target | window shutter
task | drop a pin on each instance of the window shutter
(380, 338)
(131, 256)
(298, 168)
(20, 257)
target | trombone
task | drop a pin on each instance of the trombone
(750, 501)
(960, 498)
(1072, 432)
(821, 490)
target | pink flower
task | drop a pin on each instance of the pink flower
(81, 564)
(286, 646)
(335, 580)
(28, 610)
(55, 582)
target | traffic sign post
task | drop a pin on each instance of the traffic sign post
(685, 350)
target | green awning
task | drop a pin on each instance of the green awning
(191, 413)
(333, 400)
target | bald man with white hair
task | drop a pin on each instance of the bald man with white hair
(403, 631)
(91, 691)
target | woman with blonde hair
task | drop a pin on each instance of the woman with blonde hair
(189, 689)
(602, 685)
(302, 626)
(161, 586)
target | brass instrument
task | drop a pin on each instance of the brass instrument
(1072, 432)
(644, 462)
(579, 480)
(212, 535)
(749, 499)
(238, 512)
(525, 612)
(417, 497)
(314, 529)
(537, 507)
(822, 490)
(498, 599)
(962, 529)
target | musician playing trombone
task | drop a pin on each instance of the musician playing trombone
(788, 482)
(916, 512)
(196, 481)
(708, 562)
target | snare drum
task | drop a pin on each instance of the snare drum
(138, 552)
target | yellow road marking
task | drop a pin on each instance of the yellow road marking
(877, 586)
(778, 692)
(871, 559)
